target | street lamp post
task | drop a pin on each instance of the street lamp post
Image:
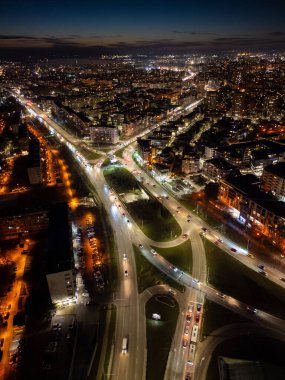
(247, 247)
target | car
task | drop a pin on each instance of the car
(197, 317)
(282, 279)
(188, 318)
(171, 291)
(153, 252)
(190, 308)
(188, 220)
(190, 362)
(251, 309)
(46, 366)
(185, 236)
(263, 272)
(188, 376)
(126, 273)
(196, 281)
(85, 294)
(261, 266)
(185, 343)
(56, 326)
(140, 246)
(204, 229)
(233, 250)
(124, 256)
(199, 307)
(173, 268)
(186, 330)
(52, 346)
(220, 240)
(222, 295)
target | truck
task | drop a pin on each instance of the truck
(125, 346)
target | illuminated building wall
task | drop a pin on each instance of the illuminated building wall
(217, 168)
(274, 180)
(261, 213)
(190, 164)
(104, 135)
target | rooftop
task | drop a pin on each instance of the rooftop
(59, 255)
(248, 185)
(277, 169)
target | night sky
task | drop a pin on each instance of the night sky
(178, 25)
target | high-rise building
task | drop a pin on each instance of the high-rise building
(34, 162)
(238, 104)
(60, 272)
(211, 100)
(107, 135)
(273, 177)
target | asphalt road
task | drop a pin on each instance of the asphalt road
(129, 316)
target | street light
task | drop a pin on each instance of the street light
(247, 247)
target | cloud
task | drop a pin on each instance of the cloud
(73, 36)
(227, 39)
(105, 36)
(277, 34)
(195, 33)
(16, 37)
(156, 45)
(56, 41)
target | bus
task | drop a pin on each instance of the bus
(125, 346)
(194, 334)
(191, 354)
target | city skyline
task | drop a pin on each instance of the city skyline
(146, 27)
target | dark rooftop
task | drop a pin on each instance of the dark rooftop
(278, 169)
(248, 185)
(220, 163)
(59, 255)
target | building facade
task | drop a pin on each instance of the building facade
(273, 178)
(252, 207)
(107, 135)
(60, 273)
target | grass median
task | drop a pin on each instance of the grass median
(180, 256)
(150, 215)
(148, 275)
(216, 316)
(159, 334)
(233, 278)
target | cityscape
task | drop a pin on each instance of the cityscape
(142, 191)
